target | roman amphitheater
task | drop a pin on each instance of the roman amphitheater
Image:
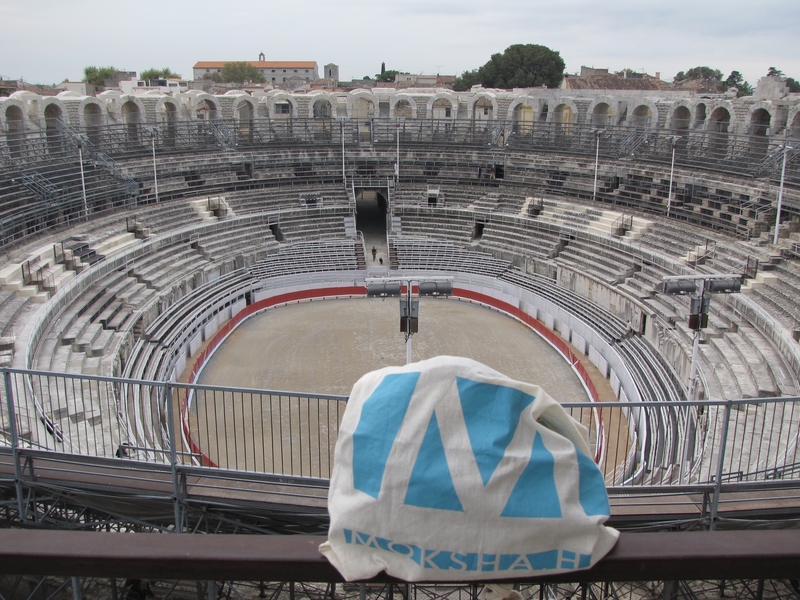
(143, 234)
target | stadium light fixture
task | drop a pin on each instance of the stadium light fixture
(391, 287)
(698, 320)
(383, 289)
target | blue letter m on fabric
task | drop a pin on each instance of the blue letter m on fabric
(491, 413)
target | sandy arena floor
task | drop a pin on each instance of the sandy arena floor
(325, 346)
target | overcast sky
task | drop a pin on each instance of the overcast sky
(47, 41)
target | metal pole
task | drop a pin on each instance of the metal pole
(83, 182)
(408, 323)
(780, 196)
(173, 458)
(692, 389)
(596, 165)
(344, 175)
(397, 164)
(720, 459)
(12, 427)
(155, 171)
(696, 349)
(671, 173)
(76, 589)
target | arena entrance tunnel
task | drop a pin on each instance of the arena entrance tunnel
(371, 210)
(372, 220)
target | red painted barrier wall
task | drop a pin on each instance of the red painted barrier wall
(334, 292)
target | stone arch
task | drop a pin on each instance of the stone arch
(53, 111)
(449, 96)
(244, 112)
(721, 111)
(760, 119)
(90, 113)
(132, 110)
(600, 113)
(680, 116)
(205, 108)
(92, 117)
(361, 105)
(243, 108)
(719, 121)
(14, 116)
(483, 107)
(565, 112)
(522, 114)
(700, 115)
(404, 105)
(794, 123)
(31, 104)
(442, 109)
(644, 115)
(167, 116)
(133, 117)
(321, 106)
(514, 109)
(166, 110)
(277, 106)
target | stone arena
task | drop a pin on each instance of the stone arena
(139, 231)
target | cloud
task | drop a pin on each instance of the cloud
(46, 40)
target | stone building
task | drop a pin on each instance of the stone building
(276, 72)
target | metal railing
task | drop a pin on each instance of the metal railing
(731, 564)
(704, 443)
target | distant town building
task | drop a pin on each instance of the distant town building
(275, 72)
(600, 79)
(331, 72)
(119, 76)
(84, 88)
(408, 80)
(164, 86)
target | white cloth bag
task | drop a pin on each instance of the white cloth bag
(446, 470)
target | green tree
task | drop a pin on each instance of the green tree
(794, 85)
(97, 75)
(705, 73)
(387, 75)
(521, 65)
(165, 73)
(736, 80)
(240, 72)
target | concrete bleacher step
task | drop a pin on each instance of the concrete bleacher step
(738, 366)
(760, 280)
(200, 207)
(101, 343)
(116, 243)
(727, 382)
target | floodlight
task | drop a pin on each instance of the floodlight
(435, 288)
(383, 289)
(723, 286)
(677, 287)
